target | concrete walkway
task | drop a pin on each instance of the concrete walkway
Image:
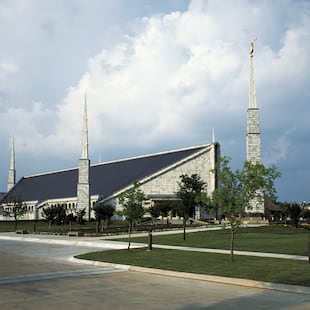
(102, 242)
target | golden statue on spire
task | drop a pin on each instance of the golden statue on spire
(252, 48)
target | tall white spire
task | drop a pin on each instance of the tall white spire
(253, 143)
(12, 171)
(253, 131)
(83, 186)
(84, 154)
(213, 136)
(252, 92)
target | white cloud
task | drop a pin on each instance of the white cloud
(8, 72)
(30, 127)
(155, 85)
(167, 82)
(279, 149)
(177, 71)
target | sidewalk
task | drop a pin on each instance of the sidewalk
(102, 242)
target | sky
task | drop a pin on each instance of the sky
(159, 75)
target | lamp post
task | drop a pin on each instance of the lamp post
(150, 246)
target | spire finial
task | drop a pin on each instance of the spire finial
(252, 47)
(252, 92)
(84, 154)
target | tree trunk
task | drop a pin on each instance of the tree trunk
(232, 239)
(129, 235)
(184, 228)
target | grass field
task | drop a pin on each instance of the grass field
(261, 269)
(270, 239)
(274, 239)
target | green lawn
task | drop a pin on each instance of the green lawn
(247, 267)
(270, 239)
(275, 239)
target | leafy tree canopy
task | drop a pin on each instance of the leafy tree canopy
(190, 195)
(103, 212)
(132, 203)
(237, 191)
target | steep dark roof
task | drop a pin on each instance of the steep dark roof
(105, 179)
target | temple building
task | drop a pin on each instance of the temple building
(80, 188)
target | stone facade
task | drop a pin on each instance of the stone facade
(253, 146)
(83, 198)
(11, 178)
(164, 184)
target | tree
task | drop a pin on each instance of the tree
(206, 204)
(306, 215)
(190, 194)
(132, 203)
(16, 209)
(103, 212)
(295, 213)
(54, 215)
(161, 208)
(285, 207)
(237, 191)
(80, 216)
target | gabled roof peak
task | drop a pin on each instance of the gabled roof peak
(123, 159)
(153, 154)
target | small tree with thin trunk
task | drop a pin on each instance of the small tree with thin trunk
(16, 209)
(161, 208)
(80, 216)
(237, 191)
(103, 212)
(190, 194)
(54, 215)
(132, 203)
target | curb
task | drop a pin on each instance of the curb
(201, 277)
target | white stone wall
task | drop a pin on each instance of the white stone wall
(253, 146)
(34, 210)
(11, 179)
(167, 182)
(83, 198)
